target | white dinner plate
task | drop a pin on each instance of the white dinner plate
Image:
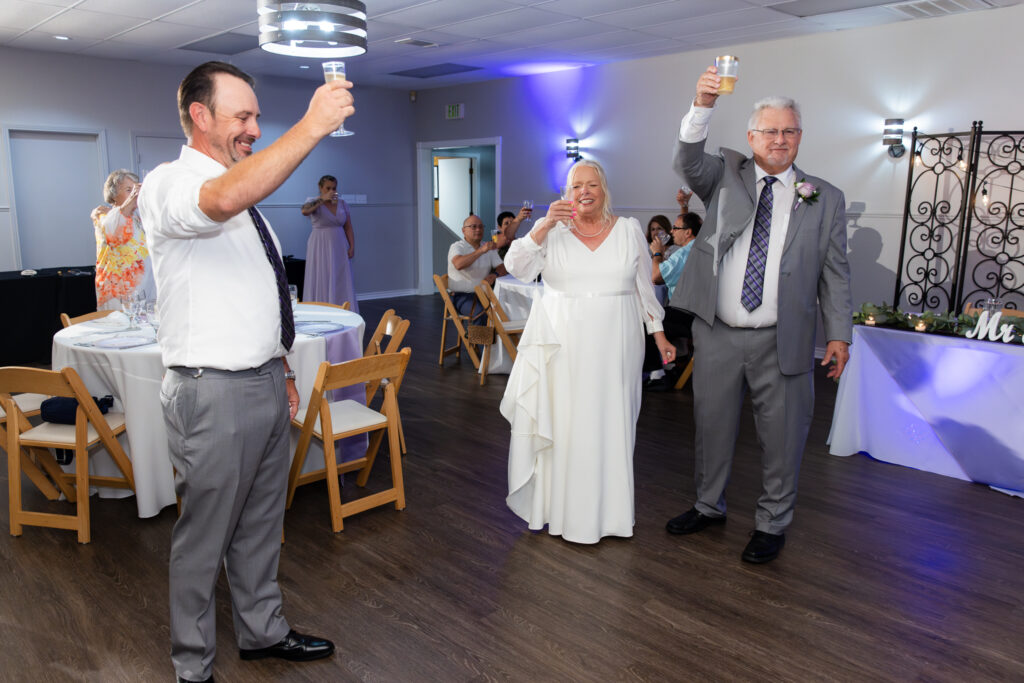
(123, 342)
(318, 327)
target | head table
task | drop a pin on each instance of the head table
(126, 364)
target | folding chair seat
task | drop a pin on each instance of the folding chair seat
(502, 329)
(31, 443)
(329, 421)
(34, 461)
(459, 321)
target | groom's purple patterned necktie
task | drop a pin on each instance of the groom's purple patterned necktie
(753, 278)
(284, 299)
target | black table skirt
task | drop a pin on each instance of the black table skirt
(32, 306)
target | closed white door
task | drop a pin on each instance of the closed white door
(58, 181)
(454, 191)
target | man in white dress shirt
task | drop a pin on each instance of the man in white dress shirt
(471, 261)
(228, 395)
(771, 254)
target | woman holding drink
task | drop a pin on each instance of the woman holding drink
(122, 259)
(330, 248)
(573, 396)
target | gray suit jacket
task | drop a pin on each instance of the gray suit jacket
(814, 271)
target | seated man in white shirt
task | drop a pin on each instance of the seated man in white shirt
(677, 322)
(472, 260)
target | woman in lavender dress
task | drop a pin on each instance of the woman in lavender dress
(331, 246)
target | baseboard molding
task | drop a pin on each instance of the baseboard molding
(366, 296)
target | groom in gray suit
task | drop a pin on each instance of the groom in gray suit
(772, 252)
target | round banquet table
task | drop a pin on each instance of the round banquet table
(126, 364)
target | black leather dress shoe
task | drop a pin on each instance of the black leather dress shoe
(691, 521)
(295, 647)
(763, 547)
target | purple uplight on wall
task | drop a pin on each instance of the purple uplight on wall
(534, 68)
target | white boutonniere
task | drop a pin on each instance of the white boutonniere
(806, 193)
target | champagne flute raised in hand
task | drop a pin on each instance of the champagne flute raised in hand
(335, 71)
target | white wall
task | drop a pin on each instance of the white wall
(124, 99)
(932, 73)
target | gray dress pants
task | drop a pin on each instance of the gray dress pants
(229, 441)
(727, 362)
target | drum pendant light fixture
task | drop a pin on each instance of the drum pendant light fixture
(329, 28)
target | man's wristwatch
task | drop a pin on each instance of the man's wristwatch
(657, 253)
(289, 375)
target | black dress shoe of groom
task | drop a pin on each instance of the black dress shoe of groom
(763, 547)
(691, 521)
(295, 647)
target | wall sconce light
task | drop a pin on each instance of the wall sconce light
(326, 28)
(572, 149)
(893, 137)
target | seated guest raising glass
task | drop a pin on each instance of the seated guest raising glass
(666, 269)
(508, 225)
(122, 259)
(472, 260)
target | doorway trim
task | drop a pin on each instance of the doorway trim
(425, 200)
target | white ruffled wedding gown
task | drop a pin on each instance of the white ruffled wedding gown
(573, 395)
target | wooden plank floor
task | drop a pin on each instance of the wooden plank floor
(888, 573)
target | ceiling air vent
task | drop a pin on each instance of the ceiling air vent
(436, 70)
(415, 43)
(224, 44)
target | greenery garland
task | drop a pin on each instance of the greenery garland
(949, 324)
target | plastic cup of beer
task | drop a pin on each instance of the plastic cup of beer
(335, 71)
(728, 68)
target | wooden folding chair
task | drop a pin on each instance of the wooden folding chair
(452, 315)
(68, 321)
(506, 331)
(345, 306)
(394, 328)
(38, 464)
(330, 421)
(683, 378)
(91, 429)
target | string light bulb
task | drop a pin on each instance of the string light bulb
(984, 194)
(960, 161)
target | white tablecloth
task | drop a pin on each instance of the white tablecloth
(133, 377)
(948, 405)
(517, 298)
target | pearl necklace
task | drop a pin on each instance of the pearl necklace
(593, 234)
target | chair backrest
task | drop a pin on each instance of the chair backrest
(64, 382)
(346, 306)
(390, 325)
(68, 321)
(441, 282)
(369, 370)
(971, 309)
(496, 317)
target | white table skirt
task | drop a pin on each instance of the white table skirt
(517, 298)
(947, 405)
(133, 377)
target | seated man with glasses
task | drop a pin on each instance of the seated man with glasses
(472, 260)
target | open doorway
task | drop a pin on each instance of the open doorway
(454, 178)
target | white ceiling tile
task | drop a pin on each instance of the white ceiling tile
(653, 15)
(16, 14)
(609, 40)
(148, 9)
(93, 25)
(589, 8)
(380, 8)
(214, 14)
(42, 40)
(506, 23)
(383, 30)
(439, 14)
(163, 34)
(554, 33)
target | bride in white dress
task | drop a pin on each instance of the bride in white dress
(573, 396)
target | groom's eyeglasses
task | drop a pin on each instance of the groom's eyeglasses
(772, 133)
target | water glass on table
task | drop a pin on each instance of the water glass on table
(293, 294)
(153, 314)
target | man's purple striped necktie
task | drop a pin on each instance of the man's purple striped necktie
(284, 298)
(753, 278)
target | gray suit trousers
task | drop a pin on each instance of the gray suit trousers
(727, 362)
(229, 440)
